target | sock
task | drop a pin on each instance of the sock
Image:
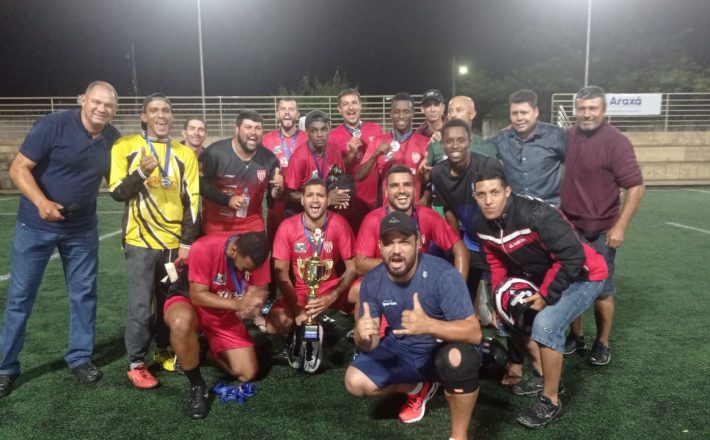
(135, 365)
(416, 389)
(195, 377)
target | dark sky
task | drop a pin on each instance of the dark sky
(56, 47)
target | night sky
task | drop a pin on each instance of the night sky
(56, 47)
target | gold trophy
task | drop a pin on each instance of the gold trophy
(313, 271)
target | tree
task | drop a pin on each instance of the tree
(314, 87)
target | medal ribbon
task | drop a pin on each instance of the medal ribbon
(309, 237)
(402, 139)
(352, 130)
(288, 150)
(321, 163)
(163, 171)
(237, 278)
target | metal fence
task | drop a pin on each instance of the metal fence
(679, 112)
(18, 114)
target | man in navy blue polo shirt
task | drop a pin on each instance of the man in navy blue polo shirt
(59, 169)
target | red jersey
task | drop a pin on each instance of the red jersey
(366, 189)
(432, 228)
(410, 153)
(292, 242)
(305, 164)
(210, 266)
(282, 146)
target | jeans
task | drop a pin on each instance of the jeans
(31, 251)
(552, 321)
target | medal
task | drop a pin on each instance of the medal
(165, 181)
(389, 156)
(394, 145)
(357, 133)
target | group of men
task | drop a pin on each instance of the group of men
(534, 201)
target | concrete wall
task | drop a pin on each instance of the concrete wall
(667, 158)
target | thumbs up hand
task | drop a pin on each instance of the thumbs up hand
(147, 163)
(415, 321)
(367, 327)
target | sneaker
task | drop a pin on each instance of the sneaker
(541, 413)
(533, 385)
(600, 354)
(141, 378)
(312, 352)
(87, 373)
(294, 356)
(574, 343)
(414, 407)
(197, 402)
(6, 381)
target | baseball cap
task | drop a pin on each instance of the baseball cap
(432, 95)
(398, 221)
(316, 115)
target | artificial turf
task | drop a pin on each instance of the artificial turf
(656, 385)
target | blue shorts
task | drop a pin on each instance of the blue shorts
(389, 363)
(551, 323)
(598, 242)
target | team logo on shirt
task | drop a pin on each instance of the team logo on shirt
(284, 162)
(299, 247)
(416, 157)
(261, 175)
(328, 246)
(389, 302)
(219, 278)
(277, 149)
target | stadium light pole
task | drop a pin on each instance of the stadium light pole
(586, 56)
(460, 70)
(202, 61)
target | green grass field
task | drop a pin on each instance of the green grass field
(656, 386)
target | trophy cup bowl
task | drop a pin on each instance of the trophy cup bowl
(313, 271)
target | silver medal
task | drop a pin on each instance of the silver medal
(357, 133)
(394, 145)
(165, 182)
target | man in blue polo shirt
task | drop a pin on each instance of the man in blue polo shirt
(59, 169)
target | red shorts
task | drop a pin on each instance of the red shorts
(222, 328)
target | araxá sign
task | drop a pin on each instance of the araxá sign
(626, 104)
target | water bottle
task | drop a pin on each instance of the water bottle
(242, 210)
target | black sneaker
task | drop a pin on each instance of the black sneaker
(293, 354)
(600, 354)
(533, 385)
(6, 381)
(87, 373)
(197, 405)
(541, 413)
(574, 343)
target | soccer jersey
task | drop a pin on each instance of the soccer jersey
(305, 164)
(283, 147)
(161, 211)
(456, 193)
(225, 174)
(441, 290)
(210, 266)
(366, 189)
(432, 229)
(410, 152)
(293, 242)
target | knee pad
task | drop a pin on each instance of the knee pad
(463, 378)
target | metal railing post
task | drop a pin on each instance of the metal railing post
(221, 119)
(665, 124)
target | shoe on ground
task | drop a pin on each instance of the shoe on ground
(413, 409)
(293, 353)
(312, 352)
(87, 373)
(533, 385)
(541, 413)
(600, 354)
(141, 378)
(6, 382)
(197, 403)
(574, 343)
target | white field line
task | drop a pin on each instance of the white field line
(700, 191)
(56, 255)
(7, 198)
(692, 228)
(704, 191)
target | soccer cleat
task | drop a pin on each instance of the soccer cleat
(541, 413)
(87, 373)
(294, 356)
(141, 378)
(197, 403)
(600, 354)
(6, 381)
(574, 343)
(533, 385)
(312, 352)
(414, 407)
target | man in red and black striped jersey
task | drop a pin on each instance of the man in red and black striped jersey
(236, 175)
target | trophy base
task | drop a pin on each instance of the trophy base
(311, 332)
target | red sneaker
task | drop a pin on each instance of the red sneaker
(413, 409)
(141, 378)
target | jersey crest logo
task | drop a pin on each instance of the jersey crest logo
(284, 162)
(328, 246)
(219, 278)
(416, 157)
(299, 247)
(261, 175)
(277, 149)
